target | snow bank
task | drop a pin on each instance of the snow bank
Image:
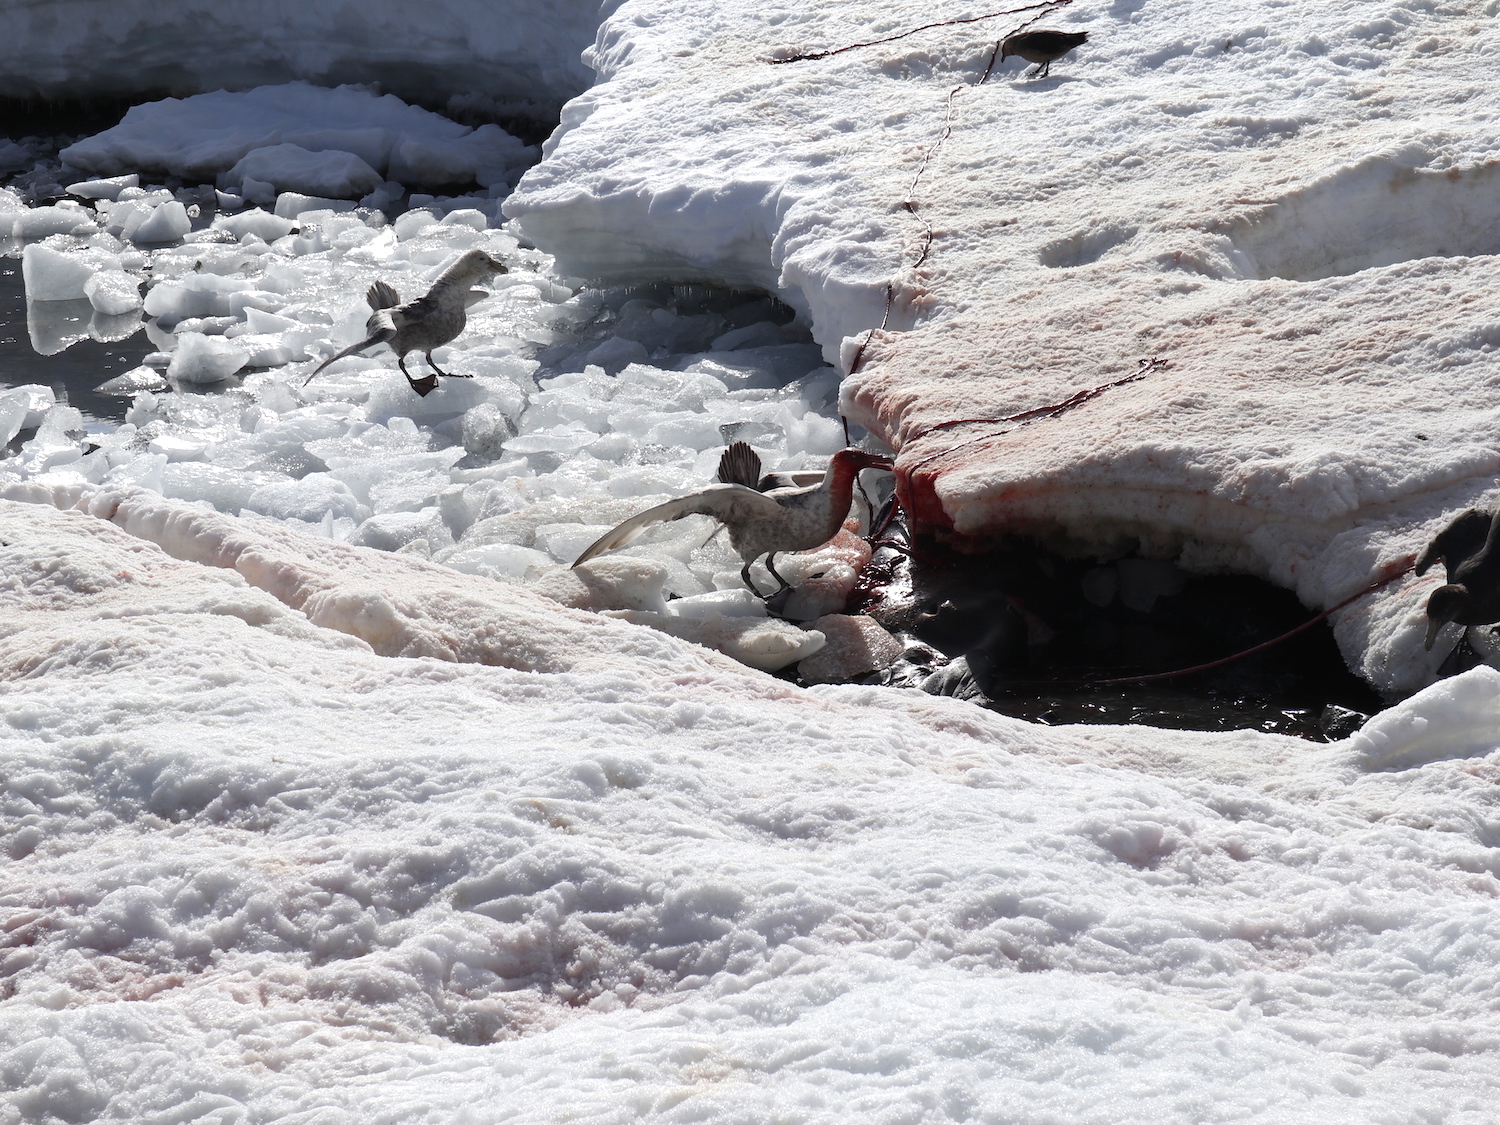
(262, 867)
(526, 53)
(342, 142)
(1279, 201)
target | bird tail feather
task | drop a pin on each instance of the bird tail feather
(370, 341)
(382, 296)
(740, 465)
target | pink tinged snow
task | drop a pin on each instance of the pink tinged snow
(295, 827)
(1249, 193)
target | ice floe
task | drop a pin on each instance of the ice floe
(1278, 201)
(342, 143)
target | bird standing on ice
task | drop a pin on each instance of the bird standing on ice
(426, 323)
(1042, 47)
(1470, 550)
(760, 523)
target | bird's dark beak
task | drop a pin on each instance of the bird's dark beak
(1433, 625)
(874, 462)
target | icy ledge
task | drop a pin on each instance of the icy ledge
(1279, 201)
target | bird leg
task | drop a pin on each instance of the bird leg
(440, 371)
(770, 565)
(424, 386)
(745, 574)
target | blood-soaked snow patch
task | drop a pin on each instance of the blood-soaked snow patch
(1282, 203)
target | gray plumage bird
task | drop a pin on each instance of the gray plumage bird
(1469, 548)
(760, 523)
(1042, 47)
(426, 323)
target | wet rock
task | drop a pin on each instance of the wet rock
(955, 680)
(1340, 722)
(856, 646)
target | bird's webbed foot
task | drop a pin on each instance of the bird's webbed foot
(423, 386)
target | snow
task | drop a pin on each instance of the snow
(524, 57)
(302, 829)
(340, 143)
(1280, 201)
(332, 793)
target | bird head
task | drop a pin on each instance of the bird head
(477, 264)
(1445, 604)
(853, 460)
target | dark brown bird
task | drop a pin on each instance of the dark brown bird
(1469, 548)
(1042, 47)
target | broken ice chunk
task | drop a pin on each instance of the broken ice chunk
(205, 359)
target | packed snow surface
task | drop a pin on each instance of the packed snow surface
(298, 137)
(1294, 205)
(525, 53)
(301, 830)
(331, 794)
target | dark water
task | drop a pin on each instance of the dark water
(79, 362)
(1035, 643)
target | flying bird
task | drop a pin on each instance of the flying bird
(424, 324)
(1042, 47)
(760, 523)
(1469, 548)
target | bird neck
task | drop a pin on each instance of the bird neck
(839, 484)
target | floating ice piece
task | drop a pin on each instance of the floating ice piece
(395, 530)
(857, 645)
(176, 449)
(260, 223)
(309, 499)
(292, 204)
(113, 293)
(763, 643)
(486, 429)
(56, 275)
(43, 222)
(134, 381)
(198, 294)
(287, 167)
(205, 359)
(1453, 718)
(109, 189)
(167, 222)
(599, 584)
(715, 603)
(499, 560)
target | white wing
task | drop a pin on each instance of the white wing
(727, 503)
